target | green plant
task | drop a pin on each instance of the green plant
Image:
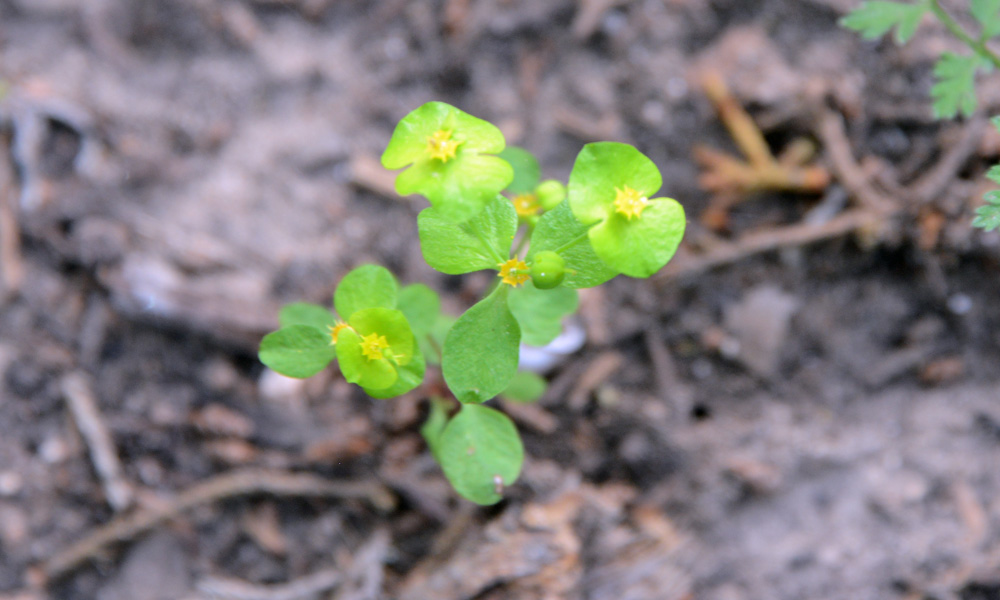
(954, 90)
(545, 242)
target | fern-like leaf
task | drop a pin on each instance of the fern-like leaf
(875, 18)
(988, 216)
(955, 90)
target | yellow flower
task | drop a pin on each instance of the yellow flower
(629, 202)
(372, 346)
(514, 272)
(526, 205)
(441, 146)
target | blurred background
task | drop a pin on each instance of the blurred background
(803, 404)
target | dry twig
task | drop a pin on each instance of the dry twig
(225, 588)
(78, 392)
(764, 241)
(220, 487)
(11, 266)
(728, 175)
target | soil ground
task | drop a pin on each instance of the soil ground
(812, 415)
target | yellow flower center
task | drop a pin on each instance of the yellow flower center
(335, 330)
(526, 205)
(514, 272)
(372, 346)
(629, 202)
(441, 146)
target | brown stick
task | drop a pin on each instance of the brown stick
(764, 241)
(220, 487)
(845, 168)
(11, 266)
(79, 395)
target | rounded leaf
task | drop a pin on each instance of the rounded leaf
(389, 323)
(480, 453)
(641, 246)
(458, 188)
(527, 172)
(539, 313)
(481, 350)
(408, 143)
(601, 169)
(368, 286)
(408, 377)
(421, 305)
(297, 351)
(304, 313)
(360, 369)
(525, 387)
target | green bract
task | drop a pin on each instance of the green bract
(374, 346)
(448, 152)
(610, 190)
(373, 342)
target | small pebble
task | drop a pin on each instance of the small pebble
(10, 483)
(960, 304)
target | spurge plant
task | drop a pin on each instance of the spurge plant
(544, 241)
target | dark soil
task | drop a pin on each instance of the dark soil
(821, 421)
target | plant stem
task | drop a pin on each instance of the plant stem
(978, 46)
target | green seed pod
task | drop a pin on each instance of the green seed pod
(550, 193)
(547, 270)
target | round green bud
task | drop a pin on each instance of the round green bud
(550, 193)
(547, 270)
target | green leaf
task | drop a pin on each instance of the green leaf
(600, 170)
(480, 243)
(987, 12)
(481, 453)
(409, 140)
(525, 387)
(304, 313)
(460, 185)
(408, 377)
(368, 286)
(460, 188)
(481, 350)
(539, 313)
(358, 368)
(955, 89)
(434, 426)
(421, 305)
(875, 19)
(558, 230)
(994, 174)
(640, 247)
(297, 351)
(382, 372)
(526, 169)
(988, 216)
